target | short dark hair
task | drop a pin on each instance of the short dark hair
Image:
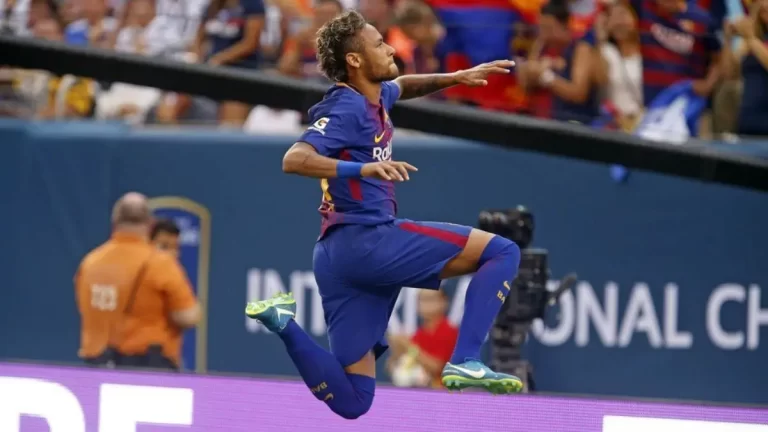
(337, 38)
(164, 225)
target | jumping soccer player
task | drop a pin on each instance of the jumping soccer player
(365, 255)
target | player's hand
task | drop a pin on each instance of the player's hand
(388, 170)
(478, 75)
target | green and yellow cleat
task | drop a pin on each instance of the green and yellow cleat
(275, 313)
(475, 374)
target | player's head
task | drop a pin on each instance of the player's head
(165, 236)
(348, 48)
(553, 24)
(131, 213)
(433, 304)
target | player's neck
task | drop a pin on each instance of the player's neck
(371, 91)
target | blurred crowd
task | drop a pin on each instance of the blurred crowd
(601, 63)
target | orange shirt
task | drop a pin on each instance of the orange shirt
(103, 284)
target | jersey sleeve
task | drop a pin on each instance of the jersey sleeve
(175, 285)
(390, 93)
(331, 134)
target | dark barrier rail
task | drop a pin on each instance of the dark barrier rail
(691, 161)
(669, 303)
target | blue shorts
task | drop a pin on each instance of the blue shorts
(360, 271)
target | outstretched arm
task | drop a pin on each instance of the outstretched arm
(413, 86)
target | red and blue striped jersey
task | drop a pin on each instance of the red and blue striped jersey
(674, 47)
(346, 126)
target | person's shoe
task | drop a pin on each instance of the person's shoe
(274, 313)
(475, 374)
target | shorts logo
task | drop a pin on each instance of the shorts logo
(319, 125)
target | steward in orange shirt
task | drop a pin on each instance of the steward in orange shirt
(134, 300)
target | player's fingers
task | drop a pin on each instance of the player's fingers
(402, 171)
(503, 63)
(499, 70)
(409, 167)
(382, 172)
(394, 173)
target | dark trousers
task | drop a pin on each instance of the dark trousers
(152, 359)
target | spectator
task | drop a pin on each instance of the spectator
(563, 77)
(57, 97)
(134, 300)
(94, 28)
(172, 29)
(299, 57)
(231, 31)
(677, 43)
(750, 63)
(165, 236)
(419, 360)
(127, 101)
(279, 26)
(619, 43)
(179, 108)
(419, 23)
(69, 12)
(18, 17)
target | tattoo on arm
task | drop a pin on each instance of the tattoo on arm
(414, 86)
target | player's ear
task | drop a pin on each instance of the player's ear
(354, 60)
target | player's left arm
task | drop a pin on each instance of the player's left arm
(414, 86)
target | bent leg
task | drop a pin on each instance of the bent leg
(495, 260)
(349, 395)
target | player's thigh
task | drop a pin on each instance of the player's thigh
(466, 262)
(413, 254)
(356, 316)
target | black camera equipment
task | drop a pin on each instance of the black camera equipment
(528, 297)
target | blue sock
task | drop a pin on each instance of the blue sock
(485, 295)
(348, 395)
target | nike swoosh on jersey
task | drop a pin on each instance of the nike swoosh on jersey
(376, 139)
(474, 374)
(328, 397)
(506, 285)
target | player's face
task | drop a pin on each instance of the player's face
(167, 242)
(378, 58)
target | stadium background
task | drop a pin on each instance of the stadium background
(671, 269)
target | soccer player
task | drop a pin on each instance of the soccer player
(364, 254)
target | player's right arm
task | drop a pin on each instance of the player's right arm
(304, 160)
(327, 136)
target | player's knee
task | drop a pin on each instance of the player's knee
(501, 248)
(353, 409)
